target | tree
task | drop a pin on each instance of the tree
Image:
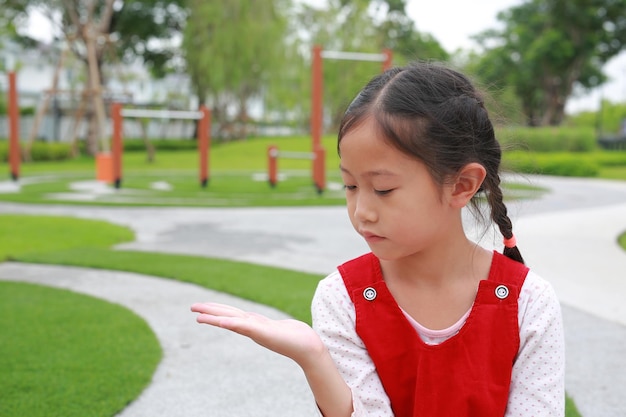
(97, 31)
(397, 32)
(547, 46)
(362, 26)
(232, 49)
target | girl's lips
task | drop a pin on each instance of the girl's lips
(371, 237)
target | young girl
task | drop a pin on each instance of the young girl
(429, 323)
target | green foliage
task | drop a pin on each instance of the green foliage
(560, 164)
(41, 151)
(546, 47)
(66, 354)
(232, 49)
(608, 119)
(547, 139)
(51, 151)
(145, 29)
(138, 145)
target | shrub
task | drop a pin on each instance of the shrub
(567, 165)
(41, 151)
(138, 145)
(548, 139)
(46, 151)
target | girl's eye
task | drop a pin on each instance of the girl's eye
(349, 187)
(383, 192)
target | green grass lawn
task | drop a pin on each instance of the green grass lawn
(48, 347)
(238, 178)
(71, 355)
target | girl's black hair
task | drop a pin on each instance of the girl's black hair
(435, 114)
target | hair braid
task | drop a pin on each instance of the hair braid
(499, 215)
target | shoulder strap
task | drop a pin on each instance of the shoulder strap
(505, 270)
(360, 272)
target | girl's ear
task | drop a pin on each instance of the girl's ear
(467, 183)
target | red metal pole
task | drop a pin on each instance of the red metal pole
(319, 169)
(204, 140)
(317, 111)
(272, 165)
(388, 62)
(14, 128)
(117, 144)
(317, 86)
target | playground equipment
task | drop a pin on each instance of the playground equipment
(14, 129)
(318, 154)
(109, 164)
(318, 157)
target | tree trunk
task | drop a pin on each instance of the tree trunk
(93, 131)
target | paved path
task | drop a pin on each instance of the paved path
(569, 237)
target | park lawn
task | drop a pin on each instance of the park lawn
(71, 355)
(40, 322)
(238, 178)
(40, 234)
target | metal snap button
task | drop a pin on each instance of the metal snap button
(502, 292)
(369, 293)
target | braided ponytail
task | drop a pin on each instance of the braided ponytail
(499, 215)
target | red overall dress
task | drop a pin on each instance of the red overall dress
(467, 375)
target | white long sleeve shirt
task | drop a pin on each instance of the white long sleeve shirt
(537, 381)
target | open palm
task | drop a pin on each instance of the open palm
(291, 338)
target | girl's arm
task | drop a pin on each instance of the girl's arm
(293, 339)
(334, 319)
(537, 381)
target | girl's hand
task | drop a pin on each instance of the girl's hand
(291, 338)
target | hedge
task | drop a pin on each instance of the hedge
(548, 139)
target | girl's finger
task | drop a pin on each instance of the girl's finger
(217, 310)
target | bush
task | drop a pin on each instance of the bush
(138, 145)
(46, 151)
(41, 151)
(548, 139)
(566, 165)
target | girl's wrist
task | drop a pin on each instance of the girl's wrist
(314, 356)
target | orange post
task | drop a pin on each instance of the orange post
(317, 116)
(272, 165)
(117, 144)
(319, 169)
(317, 86)
(14, 128)
(104, 167)
(388, 62)
(204, 140)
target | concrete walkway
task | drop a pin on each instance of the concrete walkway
(568, 236)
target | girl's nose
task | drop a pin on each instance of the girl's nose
(364, 209)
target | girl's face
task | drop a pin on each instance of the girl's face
(392, 200)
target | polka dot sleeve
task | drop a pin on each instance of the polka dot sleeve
(537, 383)
(334, 321)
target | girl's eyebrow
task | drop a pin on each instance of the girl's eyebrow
(372, 173)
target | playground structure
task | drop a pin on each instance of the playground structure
(109, 160)
(15, 154)
(318, 154)
(109, 164)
